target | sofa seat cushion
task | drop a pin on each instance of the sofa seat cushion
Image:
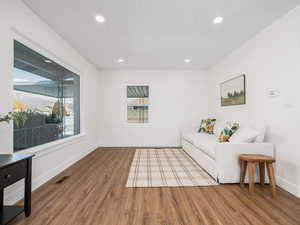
(207, 143)
(204, 142)
(191, 136)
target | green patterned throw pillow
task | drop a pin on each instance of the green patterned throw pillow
(202, 126)
(207, 126)
(228, 131)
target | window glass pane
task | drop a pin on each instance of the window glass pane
(137, 104)
(46, 99)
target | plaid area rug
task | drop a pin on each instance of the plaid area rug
(166, 168)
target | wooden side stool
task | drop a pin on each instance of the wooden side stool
(250, 160)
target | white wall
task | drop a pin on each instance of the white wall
(15, 16)
(178, 100)
(271, 60)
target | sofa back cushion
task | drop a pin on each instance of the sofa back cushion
(219, 127)
(261, 129)
(245, 134)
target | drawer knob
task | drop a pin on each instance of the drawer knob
(7, 176)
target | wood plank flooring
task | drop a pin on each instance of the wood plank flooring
(95, 194)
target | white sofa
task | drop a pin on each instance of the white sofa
(220, 160)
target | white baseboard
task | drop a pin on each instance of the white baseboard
(288, 186)
(17, 194)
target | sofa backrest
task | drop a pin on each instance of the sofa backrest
(219, 126)
(259, 127)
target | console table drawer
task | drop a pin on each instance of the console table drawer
(12, 174)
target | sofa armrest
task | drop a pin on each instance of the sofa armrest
(227, 157)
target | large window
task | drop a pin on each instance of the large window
(46, 99)
(137, 104)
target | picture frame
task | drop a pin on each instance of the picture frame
(233, 91)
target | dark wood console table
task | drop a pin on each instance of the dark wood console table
(12, 169)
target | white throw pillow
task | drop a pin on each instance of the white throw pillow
(244, 135)
(219, 127)
(261, 133)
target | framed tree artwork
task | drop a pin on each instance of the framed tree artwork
(233, 91)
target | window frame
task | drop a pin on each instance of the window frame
(137, 125)
(54, 145)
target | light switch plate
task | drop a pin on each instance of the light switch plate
(273, 93)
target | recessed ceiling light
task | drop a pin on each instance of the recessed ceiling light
(187, 60)
(218, 20)
(121, 60)
(47, 61)
(100, 18)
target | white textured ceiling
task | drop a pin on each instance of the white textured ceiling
(158, 34)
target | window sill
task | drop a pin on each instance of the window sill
(45, 149)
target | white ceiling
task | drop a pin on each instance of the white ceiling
(158, 34)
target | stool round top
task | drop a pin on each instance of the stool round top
(256, 158)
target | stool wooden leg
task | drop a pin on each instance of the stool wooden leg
(243, 172)
(262, 173)
(251, 166)
(272, 178)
